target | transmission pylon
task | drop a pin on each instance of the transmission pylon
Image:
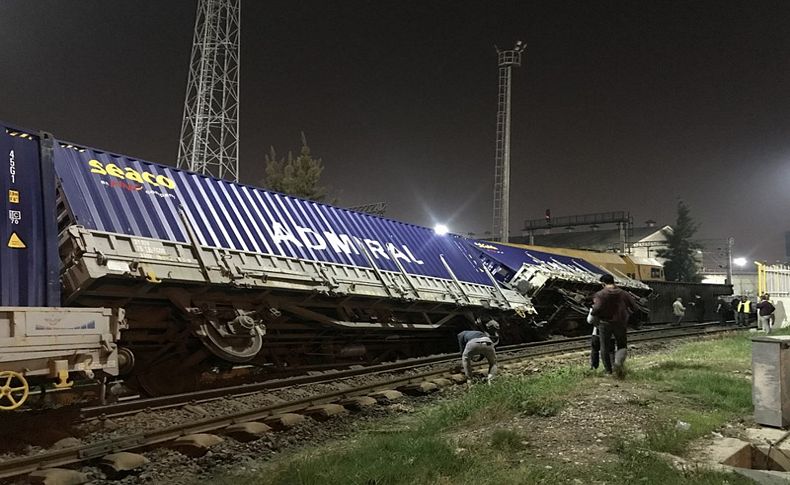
(210, 128)
(507, 59)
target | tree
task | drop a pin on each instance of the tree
(298, 176)
(681, 252)
(274, 171)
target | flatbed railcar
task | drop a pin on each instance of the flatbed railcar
(183, 274)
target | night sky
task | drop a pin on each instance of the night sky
(618, 105)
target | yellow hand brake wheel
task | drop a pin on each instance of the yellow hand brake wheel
(13, 390)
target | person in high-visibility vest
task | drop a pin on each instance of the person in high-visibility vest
(744, 309)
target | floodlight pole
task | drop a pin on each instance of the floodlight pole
(730, 244)
(507, 59)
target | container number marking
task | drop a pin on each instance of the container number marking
(12, 166)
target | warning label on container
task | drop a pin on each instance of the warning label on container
(16, 242)
(14, 216)
(13, 196)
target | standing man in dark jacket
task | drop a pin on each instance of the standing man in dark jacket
(765, 314)
(699, 308)
(613, 307)
(595, 343)
(722, 308)
(734, 304)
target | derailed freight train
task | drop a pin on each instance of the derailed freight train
(560, 287)
(167, 274)
(115, 266)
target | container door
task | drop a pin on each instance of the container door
(25, 269)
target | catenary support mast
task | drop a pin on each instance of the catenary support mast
(210, 127)
(507, 59)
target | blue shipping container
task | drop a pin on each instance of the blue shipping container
(29, 264)
(504, 260)
(118, 194)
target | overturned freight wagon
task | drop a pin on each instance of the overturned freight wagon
(212, 273)
(560, 287)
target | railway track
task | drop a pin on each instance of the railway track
(127, 407)
(83, 453)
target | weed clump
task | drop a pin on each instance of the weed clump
(506, 440)
(542, 395)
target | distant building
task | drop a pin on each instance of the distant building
(639, 241)
(743, 282)
(641, 244)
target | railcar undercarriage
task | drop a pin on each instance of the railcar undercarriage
(180, 338)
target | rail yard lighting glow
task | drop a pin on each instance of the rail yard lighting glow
(440, 229)
(740, 262)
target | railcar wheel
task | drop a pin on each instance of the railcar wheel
(233, 348)
(13, 384)
(126, 361)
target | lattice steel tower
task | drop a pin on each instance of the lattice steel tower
(507, 59)
(210, 128)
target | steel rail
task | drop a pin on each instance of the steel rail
(175, 400)
(77, 454)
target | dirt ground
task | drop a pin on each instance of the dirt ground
(602, 412)
(581, 432)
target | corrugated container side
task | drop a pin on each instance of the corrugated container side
(510, 259)
(28, 272)
(114, 193)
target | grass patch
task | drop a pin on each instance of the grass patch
(726, 353)
(507, 440)
(671, 437)
(640, 467)
(423, 454)
(466, 440)
(379, 460)
(702, 385)
(707, 387)
(543, 395)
